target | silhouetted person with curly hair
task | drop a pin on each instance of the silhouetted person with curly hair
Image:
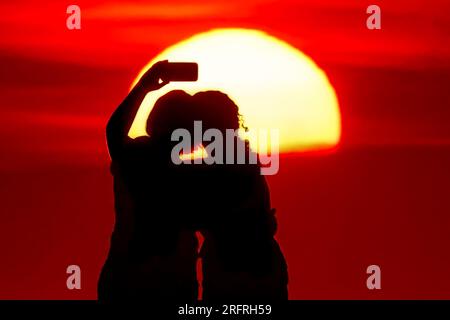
(241, 259)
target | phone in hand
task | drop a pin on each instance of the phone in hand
(180, 71)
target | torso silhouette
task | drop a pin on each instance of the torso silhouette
(159, 206)
(241, 259)
(153, 247)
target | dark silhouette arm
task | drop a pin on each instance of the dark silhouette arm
(121, 120)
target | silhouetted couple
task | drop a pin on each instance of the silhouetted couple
(161, 205)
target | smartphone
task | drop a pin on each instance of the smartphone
(181, 71)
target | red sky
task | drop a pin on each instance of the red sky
(51, 75)
(58, 88)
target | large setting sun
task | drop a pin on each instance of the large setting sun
(275, 85)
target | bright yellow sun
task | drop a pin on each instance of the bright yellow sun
(275, 86)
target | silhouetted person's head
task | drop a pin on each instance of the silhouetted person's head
(216, 110)
(170, 112)
(177, 109)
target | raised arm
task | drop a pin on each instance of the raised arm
(121, 120)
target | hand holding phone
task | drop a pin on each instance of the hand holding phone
(163, 72)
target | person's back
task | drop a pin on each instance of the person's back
(240, 257)
(153, 249)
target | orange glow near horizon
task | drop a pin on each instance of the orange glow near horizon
(275, 85)
(199, 152)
